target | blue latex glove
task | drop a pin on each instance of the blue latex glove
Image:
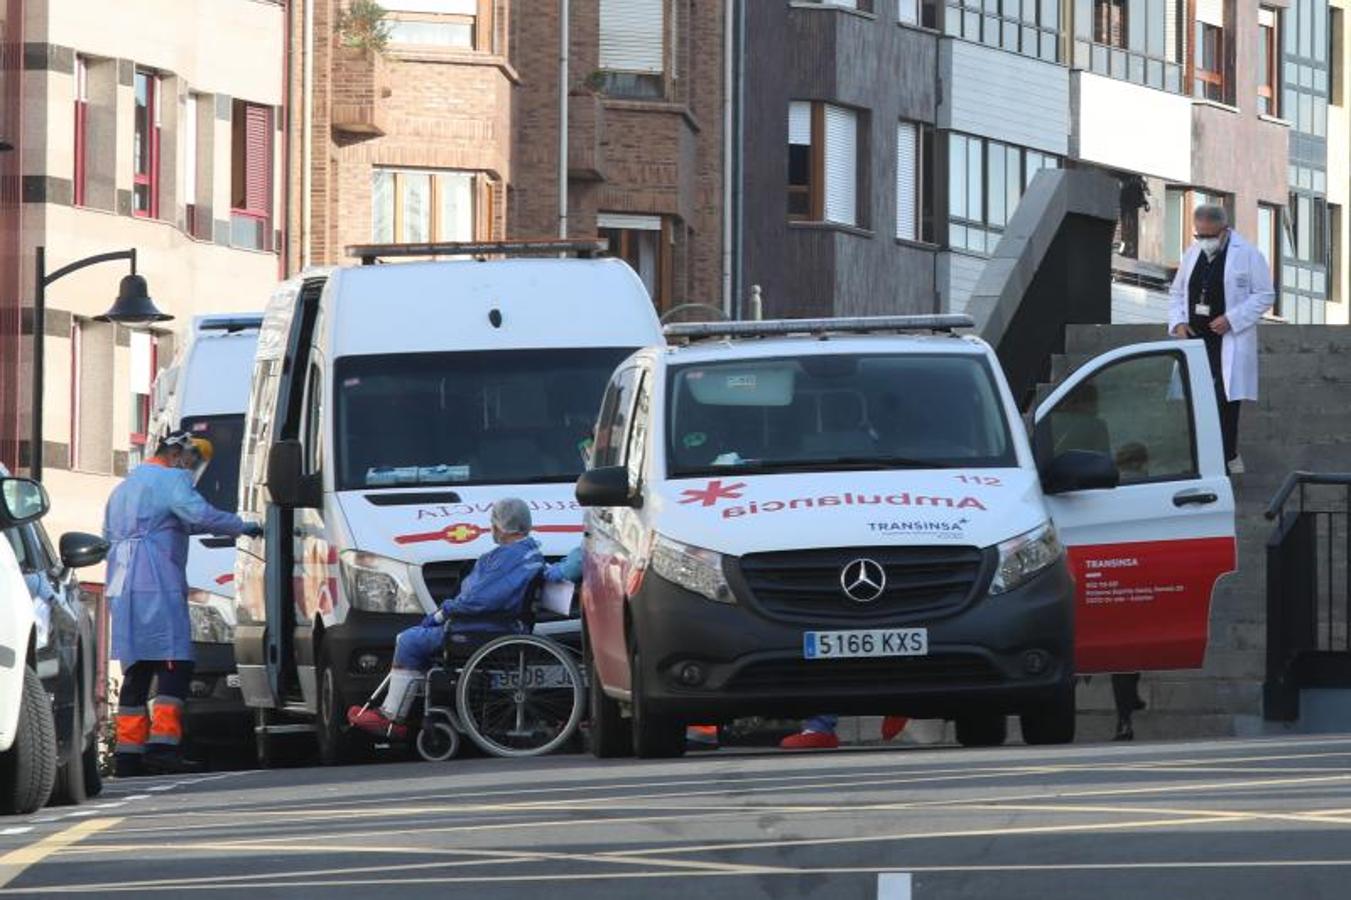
(252, 530)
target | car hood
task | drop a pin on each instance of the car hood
(423, 525)
(736, 514)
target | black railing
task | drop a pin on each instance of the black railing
(1308, 590)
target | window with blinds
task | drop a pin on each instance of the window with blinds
(440, 24)
(251, 176)
(823, 170)
(632, 36)
(907, 181)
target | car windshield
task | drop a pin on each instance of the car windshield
(220, 482)
(855, 411)
(497, 417)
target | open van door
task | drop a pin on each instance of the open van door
(1146, 554)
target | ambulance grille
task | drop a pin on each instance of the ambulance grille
(443, 578)
(805, 585)
(865, 674)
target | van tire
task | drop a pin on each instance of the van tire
(608, 733)
(69, 789)
(28, 768)
(1052, 723)
(654, 736)
(982, 730)
(330, 725)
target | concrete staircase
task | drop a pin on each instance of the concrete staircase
(1303, 421)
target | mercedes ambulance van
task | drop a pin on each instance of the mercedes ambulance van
(847, 516)
(392, 405)
(205, 390)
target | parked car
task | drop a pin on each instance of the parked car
(49, 727)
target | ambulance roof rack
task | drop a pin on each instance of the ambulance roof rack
(369, 254)
(230, 324)
(694, 331)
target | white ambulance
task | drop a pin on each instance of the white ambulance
(848, 516)
(391, 406)
(205, 390)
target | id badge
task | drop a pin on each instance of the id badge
(1203, 309)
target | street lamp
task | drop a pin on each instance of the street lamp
(132, 307)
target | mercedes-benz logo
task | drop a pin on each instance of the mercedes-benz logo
(863, 580)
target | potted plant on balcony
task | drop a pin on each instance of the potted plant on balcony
(362, 26)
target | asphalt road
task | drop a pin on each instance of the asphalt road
(1231, 819)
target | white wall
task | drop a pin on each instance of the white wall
(1135, 128)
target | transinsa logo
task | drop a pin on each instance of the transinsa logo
(759, 507)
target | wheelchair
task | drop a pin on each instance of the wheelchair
(513, 695)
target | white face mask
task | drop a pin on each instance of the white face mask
(1210, 246)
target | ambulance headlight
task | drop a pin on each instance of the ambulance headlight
(1026, 555)
(378, 584)
(212, 617)
(692, 568)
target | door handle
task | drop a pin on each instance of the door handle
(1194, 498)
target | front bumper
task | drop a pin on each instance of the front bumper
(214, 710)
(996, 654)
(360, 650)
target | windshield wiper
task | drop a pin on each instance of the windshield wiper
(857, 463)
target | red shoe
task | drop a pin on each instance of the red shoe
(372, 721)
(810, 740)
(892, 726)
(701, 737)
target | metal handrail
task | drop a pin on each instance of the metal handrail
(1300, 478)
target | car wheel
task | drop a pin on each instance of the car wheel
(608, 734)
(28, 768)
(1052, 723)
(335, 740)
(654, 736)
(70, 778)
(982, 731)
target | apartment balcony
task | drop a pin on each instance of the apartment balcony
(1130, 127)
(360, 86)
(586, 136)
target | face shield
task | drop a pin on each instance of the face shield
(197, 458)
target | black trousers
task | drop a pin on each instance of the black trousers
(1229, 409)
(1125, 694)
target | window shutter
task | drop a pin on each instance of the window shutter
(257, 159)
(841, 165)
(1211, 12)
(632, 36)
(800, 123)
(907, 179)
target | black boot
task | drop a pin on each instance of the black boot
(169, 761)
(127, 765)
(1124, 730)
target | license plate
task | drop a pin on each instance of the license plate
(872, 642)
(535, 677)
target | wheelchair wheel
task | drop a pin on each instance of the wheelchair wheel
(520, 695)
(438, 743)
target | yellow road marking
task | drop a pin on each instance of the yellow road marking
(13, 863)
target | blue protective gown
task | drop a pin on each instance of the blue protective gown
(493, 589)
(148, 520)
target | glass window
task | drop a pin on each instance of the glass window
(957, 145)
(975, 191)
(835, 412)
(219, 484)
(145, 145)
(998, 187)
(613, 422)
(1132, 411)
(432, 23)
(495, 417)
(417, 206)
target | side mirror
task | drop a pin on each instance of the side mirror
(608, 486)
(287, 482)
(22, 500)
(1079, 470)
(80, 550)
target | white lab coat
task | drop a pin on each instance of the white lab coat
(1248, 294)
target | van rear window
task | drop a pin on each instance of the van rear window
(841, 411)
(219, 484)
(494, 417)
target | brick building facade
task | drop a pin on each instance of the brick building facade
(452, 132)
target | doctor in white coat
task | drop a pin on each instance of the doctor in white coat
(1222, 289)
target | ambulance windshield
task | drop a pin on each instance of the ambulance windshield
(818, 413)
(495, 417)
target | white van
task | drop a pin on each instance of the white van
(838, 516)
(205, 390)
(391, 405)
